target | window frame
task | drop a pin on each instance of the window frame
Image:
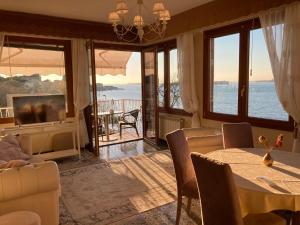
(34, 43)
(166, 47)
(243, 29)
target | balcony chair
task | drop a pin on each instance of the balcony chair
(237, 135)
(129, 120)
(219, 198)
(185, 175)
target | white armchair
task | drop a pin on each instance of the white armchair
(35, 187)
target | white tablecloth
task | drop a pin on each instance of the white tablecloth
(257, 196)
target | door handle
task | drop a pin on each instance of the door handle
(243, 90)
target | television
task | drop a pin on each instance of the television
(39, 109)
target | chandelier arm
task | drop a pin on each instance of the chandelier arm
(155, 29)
(123, 30)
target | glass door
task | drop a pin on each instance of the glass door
(150, 109)
(94, 122)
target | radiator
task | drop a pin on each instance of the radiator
(168, 124)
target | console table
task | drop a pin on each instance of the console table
(45, 133)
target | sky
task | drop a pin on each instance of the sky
(225, 61)
(226, 58)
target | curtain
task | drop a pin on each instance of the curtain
(1, 43)
(80, 86)
(186, 76)
(281, 29)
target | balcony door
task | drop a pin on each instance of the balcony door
(150, 109)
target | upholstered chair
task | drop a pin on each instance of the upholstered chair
(219, 198)
(237, 135)
(205, 144)
(201, 131)
(185, 175)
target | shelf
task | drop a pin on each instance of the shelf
(58, 154)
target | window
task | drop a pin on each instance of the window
(238, 80)
(262, 98)
(32, 66)
(161, 78)
(169, 99)
(224, 74)
(175, 100)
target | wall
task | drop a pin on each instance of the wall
(216, 12)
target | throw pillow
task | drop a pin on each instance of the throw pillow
(11, 150)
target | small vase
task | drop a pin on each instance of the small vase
(268, 160)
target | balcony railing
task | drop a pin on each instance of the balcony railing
(123, 105)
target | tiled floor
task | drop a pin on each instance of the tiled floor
(125, 150)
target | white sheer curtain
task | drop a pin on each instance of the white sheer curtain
(282, 34)
(186, 76)
(80, 85)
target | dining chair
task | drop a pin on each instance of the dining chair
(219, 198)
(205, 144)
(237, 135)
(184, 171)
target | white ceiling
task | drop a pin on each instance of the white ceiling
(91, 10)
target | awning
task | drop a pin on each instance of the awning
(111, 62)
(25, 61)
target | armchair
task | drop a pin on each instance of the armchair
(34, 188)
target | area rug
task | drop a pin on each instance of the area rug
(106, 193)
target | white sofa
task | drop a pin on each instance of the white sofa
(35, 187)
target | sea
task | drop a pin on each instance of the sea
(262, 100)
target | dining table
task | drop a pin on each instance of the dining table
(261, 188)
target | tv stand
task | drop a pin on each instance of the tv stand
(44, 133)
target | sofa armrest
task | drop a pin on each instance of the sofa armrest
(205, 144)
(25, 142)
(28, 180)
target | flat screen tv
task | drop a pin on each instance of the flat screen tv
(39, 109)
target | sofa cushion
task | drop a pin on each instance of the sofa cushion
(10, 149)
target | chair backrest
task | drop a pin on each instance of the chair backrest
(181, 157)
(134, 113)
(205, 144)
(237, 135)
(201, 131)
(217, 192)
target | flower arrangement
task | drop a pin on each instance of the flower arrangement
(268, 160)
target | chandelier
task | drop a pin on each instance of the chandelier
(138, 28)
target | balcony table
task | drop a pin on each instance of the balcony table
(257, 196)
(106, 116)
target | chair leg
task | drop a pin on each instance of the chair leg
(179, 205)
(296, 219)
(136, 131)
(189, 204)
(101, 133)
(120, 131)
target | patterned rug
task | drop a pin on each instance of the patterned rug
(133, 190)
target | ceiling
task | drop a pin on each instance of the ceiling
(90, 10)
